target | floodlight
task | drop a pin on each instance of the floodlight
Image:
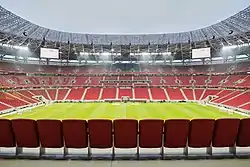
(105, 54)
(145, 53)
(235, 46)
(15, 47)
(229, 47)
(21, 47)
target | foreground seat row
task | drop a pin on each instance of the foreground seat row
(125, 134)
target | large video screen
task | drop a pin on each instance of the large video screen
(201, 53)
(49, 53)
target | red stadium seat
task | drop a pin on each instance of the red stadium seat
(100, 133)
(6, 134)
(125, 133)
(201, 133)
(225, 132)
(50, 133)
(243, 139)
(176, 133)
(150, 133)
(75, 133)
(25, 131)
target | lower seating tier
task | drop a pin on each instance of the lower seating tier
(127, 133)
(233, 98)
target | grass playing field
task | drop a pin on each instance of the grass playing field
(125, 110)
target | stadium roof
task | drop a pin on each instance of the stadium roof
(236, 25)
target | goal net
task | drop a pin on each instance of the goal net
(229, 111)
(47, 102)
(125, 99)
(203, 102)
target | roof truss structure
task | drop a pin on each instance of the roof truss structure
(15, 30)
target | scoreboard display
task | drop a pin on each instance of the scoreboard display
(49, 53)
(201, 53)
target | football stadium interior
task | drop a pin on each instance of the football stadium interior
(170, 93)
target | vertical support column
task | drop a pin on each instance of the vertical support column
(42, 151)
(232, 150)
(19, 150)
(57, 89)
(210, 151)
(162, 148)
(138, 147)
(89, 149)
(185, 151)
(133, 93)
(65, 152)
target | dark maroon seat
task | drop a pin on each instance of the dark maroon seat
(50, 133)
(100, 133)
(225, 132)
(125, 133)
(6, 134)
(201, 133)
(176, 133)
(75, 133)
(243, 139)
(150, 133)
(25, 131)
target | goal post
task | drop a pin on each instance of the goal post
(203, 102)
(125, 99)
(48, 102)
(19, 111)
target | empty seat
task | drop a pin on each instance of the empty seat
(25, 131)
(75, 133)
(150, 133)
(50, 133)
(176, 133)
(100, 133)
(243, 139)
(6, 134)
(201, 133)
(225, 132)
(125, 133)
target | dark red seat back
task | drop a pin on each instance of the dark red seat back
(75, 133)
(6, 134)
(25, 131)
(176, 133)
(201, 133)
(50, 133)
(100, 133)
(225, 132)
(243, 139)
(125, 133)
(150, 133)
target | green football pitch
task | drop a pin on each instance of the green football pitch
(124, 110)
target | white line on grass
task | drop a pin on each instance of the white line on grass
(124, 110)
(28, 109)
(230, 111)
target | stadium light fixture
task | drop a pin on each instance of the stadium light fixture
(105, 54)
(21, 47)
(145, 54)
(166, 53)
(15, 46)
(229, 47)
(235, 46)
(84, 53)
